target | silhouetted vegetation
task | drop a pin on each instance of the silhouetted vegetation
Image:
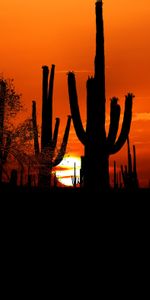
(36, 160)
(129, 172)
(47, 157)
(13, 138)
(127, 177)
(98, 147)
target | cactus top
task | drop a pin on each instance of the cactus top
(99, 2)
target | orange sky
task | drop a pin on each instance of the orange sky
(39, 32)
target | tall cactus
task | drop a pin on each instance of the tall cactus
(98, 147)
(48, 138)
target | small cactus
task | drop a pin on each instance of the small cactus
(74, 177)
(129, 173)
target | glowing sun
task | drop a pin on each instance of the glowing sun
(67, 169)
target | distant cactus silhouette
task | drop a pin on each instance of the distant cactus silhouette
(129, 173)
(115, 177)
(98, 147)
(82, 171)
(74, 177)
(46, 156)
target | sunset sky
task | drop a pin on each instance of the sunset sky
(45, 32)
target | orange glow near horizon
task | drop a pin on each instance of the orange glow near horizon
(36, 33)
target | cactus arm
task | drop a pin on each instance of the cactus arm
(114, 122)
(62, 150)
(44, 133)
(55, 135)
(75, 108)
(35, 130)
(125, 125)
(50, 103)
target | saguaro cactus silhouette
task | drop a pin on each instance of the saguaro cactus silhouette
(46, 156)
(98, 147)
(74, 177)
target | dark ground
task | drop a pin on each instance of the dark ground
(71, 217)
(70, 194)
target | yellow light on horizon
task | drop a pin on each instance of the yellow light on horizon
(65, 175)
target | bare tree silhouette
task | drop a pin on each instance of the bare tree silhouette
(12, 137)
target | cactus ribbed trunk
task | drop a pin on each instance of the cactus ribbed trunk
(50, 108)
(98, 147)
(97, 173)
(100, 76)
(46, 136)
(100, 66)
